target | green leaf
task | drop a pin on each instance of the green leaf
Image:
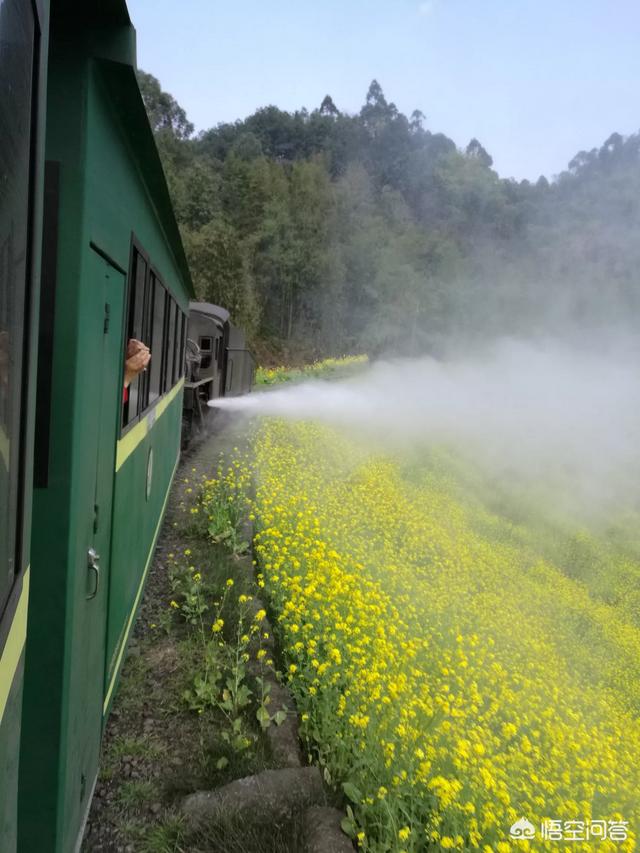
(243, 696)
(263, 716)
(352, 792)
(279, 717)
(348, 827)
(221, 763)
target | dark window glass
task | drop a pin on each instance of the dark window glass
(170, 344)
(206, 346)
(138, 328)
(157, 340)
(17, 37)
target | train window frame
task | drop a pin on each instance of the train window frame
(128, 419)
(19, 354)
(156, 368)
(175, 372)
(172, 343)
(177, 361)
(183, 342)
(169, 343)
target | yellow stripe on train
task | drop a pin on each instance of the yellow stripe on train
(138, 433)
(12, 651)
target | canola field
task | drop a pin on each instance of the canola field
(455, 676)
(328, 368)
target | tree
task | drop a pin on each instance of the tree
(165, 114)
(220, 273)
(328, 108)
(477, 152)
(333, 232)
(417, 120)
(376, 112)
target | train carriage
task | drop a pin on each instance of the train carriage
(207, 341)
(23, 51)
(90, 258)
(113, 268)
(219, 363)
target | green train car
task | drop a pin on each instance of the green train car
(90, 257)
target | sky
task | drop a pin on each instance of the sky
(535, 81)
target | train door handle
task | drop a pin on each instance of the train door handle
(94, 567)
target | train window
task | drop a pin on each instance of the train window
(17, 43)
(157, 338)
(170, 344)
(138, 327)
(205, 348)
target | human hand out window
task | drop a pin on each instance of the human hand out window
(137, 359)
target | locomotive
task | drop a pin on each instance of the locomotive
(219, 364)
(90, 258)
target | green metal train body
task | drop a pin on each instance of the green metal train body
(90, 256)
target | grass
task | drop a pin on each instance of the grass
(229, 837)
(132, 688)
(164, 838)
(134, 746)
(134, 794)
(237, 837)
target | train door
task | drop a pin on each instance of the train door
(223, 359)
(109, 286)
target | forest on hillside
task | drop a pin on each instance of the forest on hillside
(326, 233)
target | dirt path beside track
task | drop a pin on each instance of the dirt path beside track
(156, 751)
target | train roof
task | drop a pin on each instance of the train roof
(97, 12)
(209, 308)
(115, 57)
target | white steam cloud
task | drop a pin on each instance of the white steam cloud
(565, 420)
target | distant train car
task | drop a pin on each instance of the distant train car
(219, 364)
(90, 257)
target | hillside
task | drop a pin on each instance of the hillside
(326, 233)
